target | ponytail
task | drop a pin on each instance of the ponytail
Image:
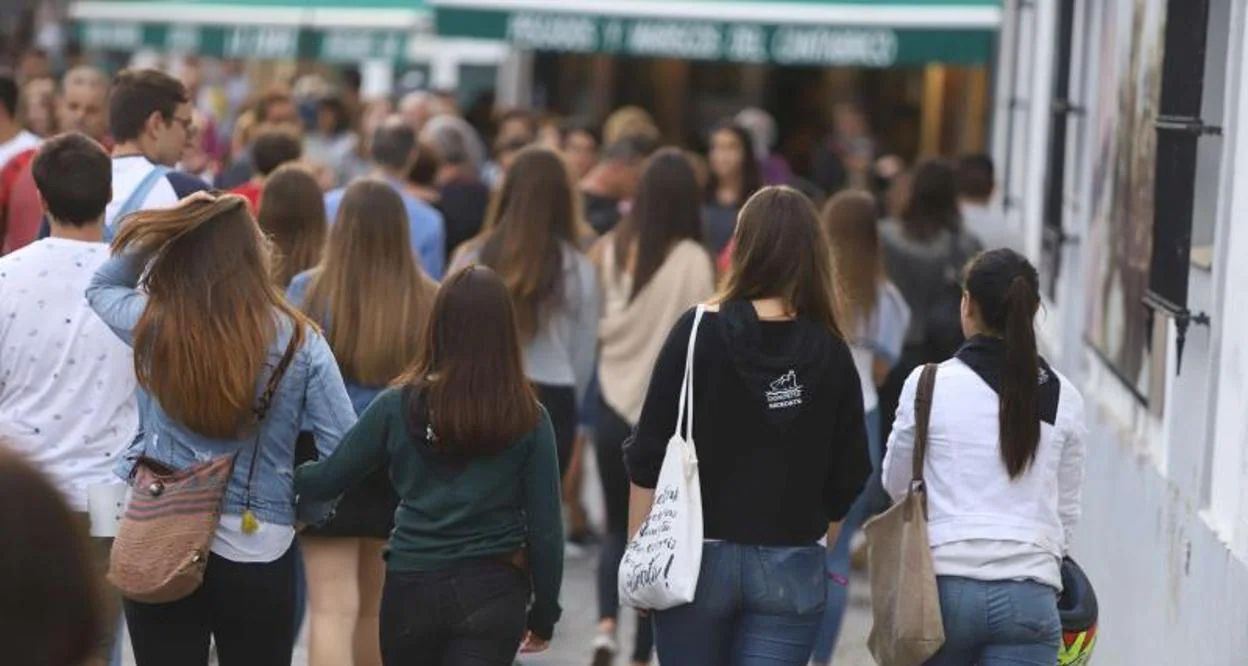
(1006, 289)
(1019, 420)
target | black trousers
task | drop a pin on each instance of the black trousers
(610, 432)
(560, 403)
(249, 609)
(472, 615)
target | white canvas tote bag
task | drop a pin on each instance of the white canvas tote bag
(661, 564)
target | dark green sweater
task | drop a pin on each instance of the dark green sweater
(453, 512)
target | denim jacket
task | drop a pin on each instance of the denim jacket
(311, 393)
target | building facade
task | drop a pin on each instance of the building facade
(1121, 137)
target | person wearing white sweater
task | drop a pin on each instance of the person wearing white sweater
(1004, 474)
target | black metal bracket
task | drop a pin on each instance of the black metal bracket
(1187, 125)
(1183, 320)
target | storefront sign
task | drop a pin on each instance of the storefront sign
(260, 42)
(779, 43)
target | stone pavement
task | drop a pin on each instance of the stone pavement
(580, 609)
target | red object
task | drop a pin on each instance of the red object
(20, 209)
(724, 262)
(251, 192)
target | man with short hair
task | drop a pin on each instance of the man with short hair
(464, 197)
(393, 152)
(82, 106)
(272, 149)
(976, 177)
(67, 384)
(275, 108)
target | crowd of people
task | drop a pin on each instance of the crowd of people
(406, 341)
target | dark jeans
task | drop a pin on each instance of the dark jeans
(611, 431)
(754, 606)
(560, 403)
(249, 609)
(472, 615)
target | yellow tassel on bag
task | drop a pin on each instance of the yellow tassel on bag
(250, 524)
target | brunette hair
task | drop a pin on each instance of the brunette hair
(212, 310)
(74, 176)
(292, 215)
(780, 251)
(751, 172)
(529, 222)
(50, 598)
(850, 221)
(273, 148)
(1005, 289)
(666, 210)
(933, 202)
(369, 287)
(136, 95)
(471, 368)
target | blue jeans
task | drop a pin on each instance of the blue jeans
(998, 623)
(872, 500)
(754, 606)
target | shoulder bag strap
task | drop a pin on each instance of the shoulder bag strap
(262, 410)
(137, 198)
(684, 419)
(922, 418)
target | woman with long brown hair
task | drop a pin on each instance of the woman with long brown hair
(472, 456)
(780, 440)
(875, 317)
(652, 268)
(292, 214)
(531, 238)
(190, 288)
(372, 300)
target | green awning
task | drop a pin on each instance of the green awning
(870, 33)
(329, 30)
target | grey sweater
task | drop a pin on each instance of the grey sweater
(924, 270)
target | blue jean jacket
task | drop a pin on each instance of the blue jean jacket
(310, 394)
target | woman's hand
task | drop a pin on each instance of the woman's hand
(532, 644)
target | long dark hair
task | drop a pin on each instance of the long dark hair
(933, 202)
(471, 369)
(527, 226)
(665, 211)
(1005, 289)
(751, 172)
(292, 214)
(49, 596)
(781, 251)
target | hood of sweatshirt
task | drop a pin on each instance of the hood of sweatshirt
(782, 375)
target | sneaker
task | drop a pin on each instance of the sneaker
(605, 649)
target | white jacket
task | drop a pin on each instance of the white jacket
(970, 495)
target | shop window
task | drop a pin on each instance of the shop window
(1055, 236)
(1184, 132)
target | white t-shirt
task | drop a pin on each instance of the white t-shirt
(67, 386)
(22, 141)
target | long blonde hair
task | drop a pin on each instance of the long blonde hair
(212, 311)
(850, 221)
(369, 288)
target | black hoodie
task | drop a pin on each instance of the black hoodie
(778, 425)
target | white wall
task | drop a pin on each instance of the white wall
(1165, 529)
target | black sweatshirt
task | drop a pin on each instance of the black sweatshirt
(778, 426)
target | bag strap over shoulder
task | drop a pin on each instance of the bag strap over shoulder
(684, 419)
(261, 410)
(922, 419)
